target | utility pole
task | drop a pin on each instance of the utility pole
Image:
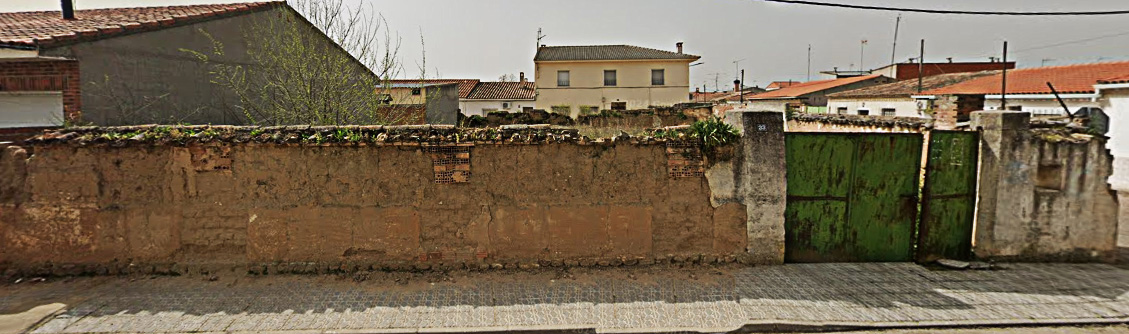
(1003, 82)
(862, 50)
(742, 86)
(894, 49)
(921, 67)
(737, 68)
(809, 62)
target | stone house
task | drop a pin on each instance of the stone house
(616, 77)
(119, 66)
(474, 97)
(1027, 88)
(894, 99)
(810, 96)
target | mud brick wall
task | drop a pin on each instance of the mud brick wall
(803, 122)
(100, 208)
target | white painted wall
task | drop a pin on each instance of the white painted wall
(1042, 107)
(902, 107)
(1115, 104)
(31, 109)
(480, 107)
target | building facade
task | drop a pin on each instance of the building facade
(120, 66)
(582, 79)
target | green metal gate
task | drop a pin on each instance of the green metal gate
(852, 197)
(948, 196)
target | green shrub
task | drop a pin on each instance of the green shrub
(713, 132)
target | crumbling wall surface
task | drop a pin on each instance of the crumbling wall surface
(1042, 194)
(100, 208)
(803, 122)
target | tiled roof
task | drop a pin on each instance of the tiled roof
(465, 85)
(30, 29)
(783, 84)
(606, 52)
(811, 87)
(1070, 79)
(707, 96)
(906, 88)
(1115, 80)
(487, 90)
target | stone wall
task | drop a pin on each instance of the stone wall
(103, 202)
(803, 122)
(1043, 194)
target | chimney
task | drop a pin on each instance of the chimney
(521, 76)
(68, 9)
(950, 59)
(736, 86)
(679, 46)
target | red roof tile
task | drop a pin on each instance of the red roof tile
(487, 90)
(783, 84)
(1070, 79)
(1115, 80)
(811, 87)
(44, 28)
(465, 85)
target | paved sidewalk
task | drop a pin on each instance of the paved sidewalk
(653, 299)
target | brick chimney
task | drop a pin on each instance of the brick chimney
(521, 76)
(68, 9)
(679, 46)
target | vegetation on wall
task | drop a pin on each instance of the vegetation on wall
(297, 76)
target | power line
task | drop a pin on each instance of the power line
(1073, 42)
(943, 11)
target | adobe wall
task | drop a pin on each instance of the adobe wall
(1043, 194)
(114, 205)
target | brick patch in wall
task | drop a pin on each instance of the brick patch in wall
(211, 158)
(451, 163)
(684, 160)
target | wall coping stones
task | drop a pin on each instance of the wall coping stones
(864, 120)
(353, 135)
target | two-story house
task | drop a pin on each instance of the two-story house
(585, 79)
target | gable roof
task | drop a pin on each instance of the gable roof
(607, 52)
(1069, 79)
(811, 87)
(782, 84)
(492, 90)
(45, 28)
(465, 85)
(907, 88)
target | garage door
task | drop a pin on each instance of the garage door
(31, 109)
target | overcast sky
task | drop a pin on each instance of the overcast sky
(485, 39)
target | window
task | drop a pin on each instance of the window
(841, 110)
(609, 77)
(619, 105)
(562, 78)
(658, 77)
(864, 112)
(415, 91)
(888, 112)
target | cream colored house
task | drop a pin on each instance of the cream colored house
(576, 79)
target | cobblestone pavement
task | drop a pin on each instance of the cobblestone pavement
(622, 300)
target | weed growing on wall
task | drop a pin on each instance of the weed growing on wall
(713, 132)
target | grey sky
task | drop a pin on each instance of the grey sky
(485, 39)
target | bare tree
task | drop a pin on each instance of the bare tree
(508, 77)
(296, 75)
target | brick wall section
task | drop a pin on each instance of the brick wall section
(45, 75)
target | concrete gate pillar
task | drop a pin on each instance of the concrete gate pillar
(759, 181)
(1004, 192)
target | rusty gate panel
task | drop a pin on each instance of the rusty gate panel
(851, 196)
(948, 201)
